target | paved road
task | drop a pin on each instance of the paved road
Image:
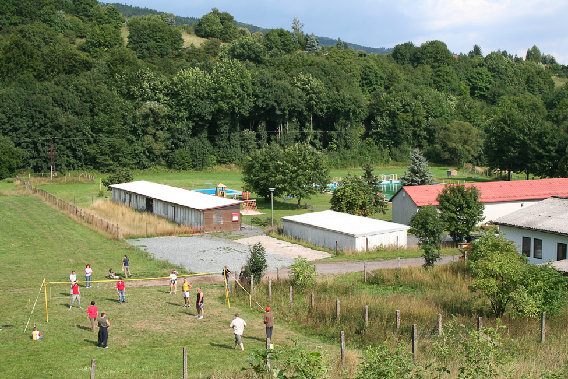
(350, 266)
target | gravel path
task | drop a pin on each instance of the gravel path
(283, 248)
(206, 253)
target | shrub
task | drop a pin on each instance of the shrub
(382, 362)
(256, 263)
(120, 175)
(303, 272)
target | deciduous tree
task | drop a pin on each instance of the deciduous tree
(428, 227)
(460, 210)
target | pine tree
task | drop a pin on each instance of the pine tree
(312, 44)
(417, 172)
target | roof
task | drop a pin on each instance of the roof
(345, 223)
(494, 192)
(176, 195)
(549, 216)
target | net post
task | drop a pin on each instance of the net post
(45, 295)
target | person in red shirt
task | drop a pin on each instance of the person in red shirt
(75, 295)
(121, 291)
(92, 313)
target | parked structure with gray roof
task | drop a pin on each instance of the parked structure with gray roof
(205, 212)
(540, 231)
(348, 232)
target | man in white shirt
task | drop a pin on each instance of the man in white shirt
(72, 279)
(238, 325)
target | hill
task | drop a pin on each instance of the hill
(130, 11)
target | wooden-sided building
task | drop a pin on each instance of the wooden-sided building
(195, 209)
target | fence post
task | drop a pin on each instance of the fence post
(268, 354)
(439, 324)
(479, 323)
(270, 289)
(290, 297)
(342, 338)
(542, 327)
(277, 276)
(398, 319)
(338, 310)
(184, 362)
(366, 316)
(365, 272)
(312, 300)
(414, 342)
(335, 247)
(93, 367)
(251, 284)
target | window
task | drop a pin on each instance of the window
(526, 249)
(537, 248)
(560, 251)
(217, 218)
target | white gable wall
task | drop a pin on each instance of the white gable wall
(495, 210)
(549, 241)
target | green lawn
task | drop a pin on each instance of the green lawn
(147, 333)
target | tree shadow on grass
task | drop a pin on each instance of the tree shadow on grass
(113, 300)
(221, 345)
(83, 327)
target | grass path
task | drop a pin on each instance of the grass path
(147, 333)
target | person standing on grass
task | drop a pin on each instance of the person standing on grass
(199, 303)
(186, 286)
(238, 325)
(92, 313)
(269, 322)
(126, 266)
(75, 295)
(88, 272)
(72, 279)
(173, 281)
(120, 290)
(226, 274)
(104, 324)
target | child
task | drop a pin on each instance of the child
(173, 281)
(36, 335)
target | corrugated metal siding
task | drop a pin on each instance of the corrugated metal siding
(177, 213)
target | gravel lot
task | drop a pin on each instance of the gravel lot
(205, 253)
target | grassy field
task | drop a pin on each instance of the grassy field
(147, 333)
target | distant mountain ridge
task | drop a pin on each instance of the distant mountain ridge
(130, 11)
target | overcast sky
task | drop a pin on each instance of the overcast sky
(512, 25)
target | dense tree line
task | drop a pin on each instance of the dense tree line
(70, 77)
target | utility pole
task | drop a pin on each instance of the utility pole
(52, 154)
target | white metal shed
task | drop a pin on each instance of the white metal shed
(347, 232)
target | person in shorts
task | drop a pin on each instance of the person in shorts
(92, 313)
(126, 266)
(199, 303)
(186, 286)
(173, 281)
(238, 326)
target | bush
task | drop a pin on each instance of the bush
(303, 272)
(256, 264)
(120, 175)
(382, 362)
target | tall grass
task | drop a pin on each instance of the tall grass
(420, 295)
(136, 224)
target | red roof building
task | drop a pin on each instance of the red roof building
(500, 198)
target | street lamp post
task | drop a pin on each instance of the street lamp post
(271, 206)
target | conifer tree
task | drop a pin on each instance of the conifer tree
(417, 172)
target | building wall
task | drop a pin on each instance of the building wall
(403, 208)
(328, 239)
(495, 210)
(221, 219)
(549, 242)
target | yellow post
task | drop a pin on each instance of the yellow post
(227, 290)
(45, 295)
(100, 184)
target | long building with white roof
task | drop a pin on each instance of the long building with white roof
(344, 231)
(210, 212)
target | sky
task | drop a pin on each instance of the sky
(512, 25)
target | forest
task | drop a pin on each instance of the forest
(104, 91)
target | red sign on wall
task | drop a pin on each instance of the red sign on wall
(235, 217)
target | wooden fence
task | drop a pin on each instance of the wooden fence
(98, 223)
